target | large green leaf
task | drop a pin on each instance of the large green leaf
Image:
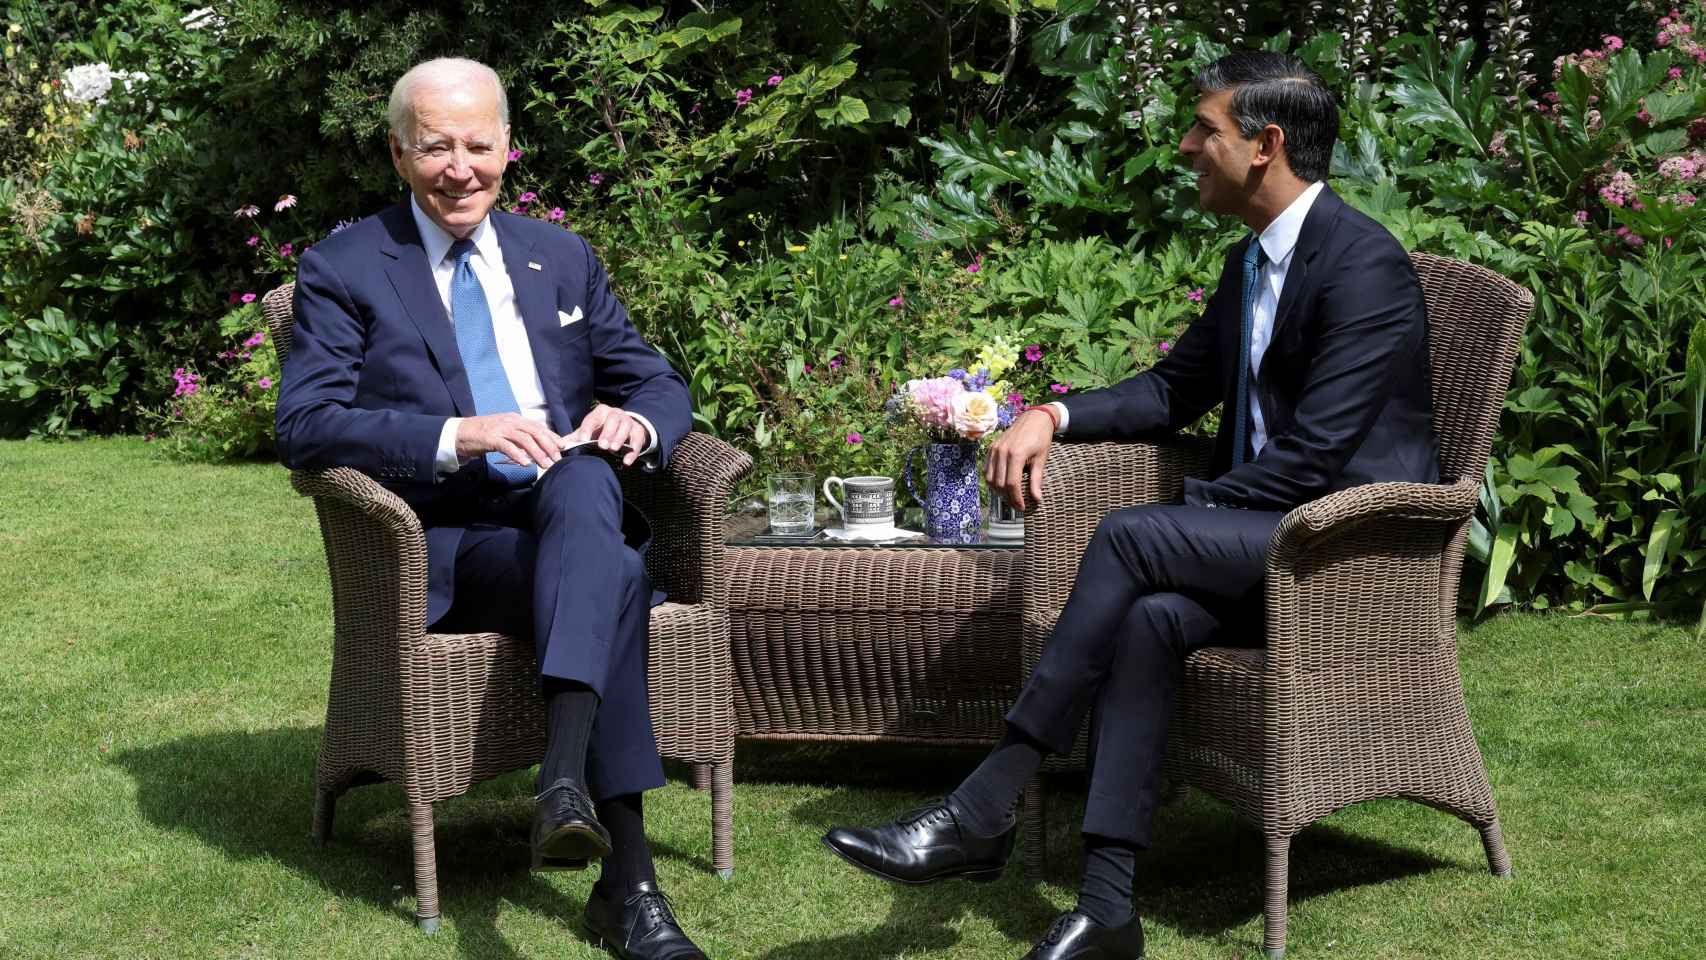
(1657, 555)
(1436, 93)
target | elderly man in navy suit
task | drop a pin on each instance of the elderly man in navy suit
(452, 352)
(1315, 344)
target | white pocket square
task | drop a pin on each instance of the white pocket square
(564, 319)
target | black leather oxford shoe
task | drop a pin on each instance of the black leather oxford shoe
(1074, 936)
(923, 846)
(639, 926)
(566, 834)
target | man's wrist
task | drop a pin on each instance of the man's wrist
(1048, 411)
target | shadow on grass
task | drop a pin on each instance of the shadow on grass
(250, 795)
(1203, 877)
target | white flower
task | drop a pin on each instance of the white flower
(284, 203)
(201, 17)
(91, 82)
(975, 414)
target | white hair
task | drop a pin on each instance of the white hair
(444, 70)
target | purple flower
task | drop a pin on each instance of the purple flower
(835, 362)
(979, 380)
(259, 338)
(596, 179)
(1016, 401)
(527, 198)
(774, 80)
(898, 299)
(975, 265)
(252, 241)
(265, 383)
(1582, 217)
(286, 249)
(1163, 346)
(855, 438)
(556, 215)
(743, 97)
(1194, 296)
(248, 298)
(514, 155)
(694, 110)
(1033, 353)
(959, 374)
(1060, 387)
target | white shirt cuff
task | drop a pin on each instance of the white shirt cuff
(651, 434)
(1060, 408)
(447, 463)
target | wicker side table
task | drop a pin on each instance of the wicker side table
(914, 643)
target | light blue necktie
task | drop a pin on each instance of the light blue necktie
(1254, 257)
(479, 348)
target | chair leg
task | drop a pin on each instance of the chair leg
(1493, 840)
(325, 806)
(426, 867)
(1274, 910)
(722, 784)
(701, 775)
(1032, 812)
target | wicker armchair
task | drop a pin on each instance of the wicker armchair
(1356, 693)
(438, 712)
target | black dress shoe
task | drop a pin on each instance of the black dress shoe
(1074, 936)
(566, 834)
(641, 926)
(923, 846)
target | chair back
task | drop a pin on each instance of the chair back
(1475, 324)
(281, 322)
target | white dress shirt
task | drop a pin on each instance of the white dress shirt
(1278, 242)
(514, 350)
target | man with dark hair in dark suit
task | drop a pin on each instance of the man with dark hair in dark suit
(453, 352)
(1315, 344)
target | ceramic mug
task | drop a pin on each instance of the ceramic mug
(869, 502)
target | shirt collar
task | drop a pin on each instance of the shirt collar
(1280, 238)
(436, 241)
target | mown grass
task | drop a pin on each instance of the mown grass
(164, 634)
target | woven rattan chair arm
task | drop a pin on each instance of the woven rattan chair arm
(710, 468)
(1436, 502)
(352, 488)
(686, 505)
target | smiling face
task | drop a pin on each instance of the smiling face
(1222, 159)
(456, 151)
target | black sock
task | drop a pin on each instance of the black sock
(1105, 894)
(630, 859)
(985, 800)
(569, 711)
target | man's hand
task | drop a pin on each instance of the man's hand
(1024, 446)
(524, 441)
(614, 429)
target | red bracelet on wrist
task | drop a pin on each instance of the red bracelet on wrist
(1052, 414)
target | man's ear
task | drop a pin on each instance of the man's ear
(1270, 145)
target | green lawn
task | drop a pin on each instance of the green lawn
(165, 633)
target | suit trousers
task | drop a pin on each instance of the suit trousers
(549, 562)
(1155, 583)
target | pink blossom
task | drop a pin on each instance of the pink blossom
(835, 362)
(1016, 401)
(1612, 43)
(286, 249)
(234, 299)
(694, 110)
(248, 298)
(252, 241)
(259, 338)
(265, 383)
(1060, 387)
(855, 438)
(898, 299)
(527, 198)
(596, 179)
(1163, 347)
(933, 399)
(1662, 40)
(1677, 168)
(975, 265)
(743, 97)
(975, 414)
(514, 155)
(1582, 217)
(284, 203)
(556, 215)
(1033, 352)
(246, 210)
(774, 80)
(1194, 296)
(1674, 73)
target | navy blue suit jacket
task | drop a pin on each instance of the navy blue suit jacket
(374, 370)
(1344, 387)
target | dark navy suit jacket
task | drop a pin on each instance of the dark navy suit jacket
(1344, 385)
(374, 369)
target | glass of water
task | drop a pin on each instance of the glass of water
(791, 500)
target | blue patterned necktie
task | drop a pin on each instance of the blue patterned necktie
(1254, 257)
(479, 348)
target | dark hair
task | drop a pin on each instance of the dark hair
(1277, 88)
